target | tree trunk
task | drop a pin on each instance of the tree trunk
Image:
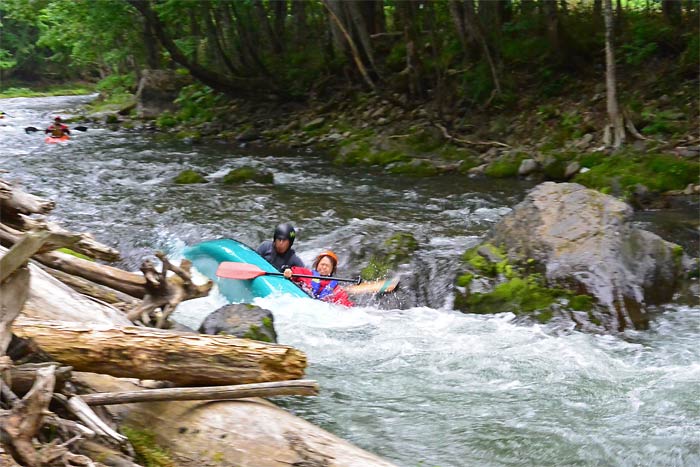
(16, 205)
(13, 293)
(185, 359)
(91, 289)
(279, 12)
(553, 32)
(597, 13)
(20, 425)
(457, 14)
(14, 201)
(23, 377)
(619, 17)
(14, 278)
(150, 43)
(672, 12)
(84, 243)
(298, 387)
(475, 26)
(351, 43)
(616, 125)
(299, 24)
(263, 21)
(407, 22)
(50, 299)
(231, 86)
(248, 39)
(360, 26)
(247, 432)
(127, 282)
(164, 293)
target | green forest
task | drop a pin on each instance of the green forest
(530, 75)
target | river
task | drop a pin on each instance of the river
(407, 377)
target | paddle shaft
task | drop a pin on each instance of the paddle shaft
(309, 276)
(31, 129)
(245, 271)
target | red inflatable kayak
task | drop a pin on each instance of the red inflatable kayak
(53, 139)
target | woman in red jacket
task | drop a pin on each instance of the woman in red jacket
(322, 287)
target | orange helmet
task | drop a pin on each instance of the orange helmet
(333, 257)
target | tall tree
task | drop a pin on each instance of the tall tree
(553, 28)
(407, 22)
(672, 11)
(339, 20)
(477, 29)
(227, 85)
(615, 130)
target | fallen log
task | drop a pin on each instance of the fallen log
(128, 282)
(106, 455)
(91, 289)
(14, 202)
(14, 279)
(298, 387)
(22, 377)
(49, 299)
(24, 420)
(13, 294)
(26, 247)
(242, 432)
(185, 359)
(164, 293)
(157, 291)
(86, 243)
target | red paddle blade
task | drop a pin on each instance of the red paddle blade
(241, 271)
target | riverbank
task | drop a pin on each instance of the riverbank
(537, 135)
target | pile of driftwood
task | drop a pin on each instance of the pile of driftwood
(46, 417)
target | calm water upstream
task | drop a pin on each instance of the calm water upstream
(408, 379)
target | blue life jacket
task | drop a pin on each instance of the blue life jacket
(322, 292)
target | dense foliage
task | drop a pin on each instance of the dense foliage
(455, 53)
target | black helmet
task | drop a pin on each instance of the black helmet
(285, 232)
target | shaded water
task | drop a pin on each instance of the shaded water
(408, 378)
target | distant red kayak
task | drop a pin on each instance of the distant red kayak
(52, 139)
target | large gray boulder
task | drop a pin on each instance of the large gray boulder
(586, 242)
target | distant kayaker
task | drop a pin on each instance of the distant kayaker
(279, 251)
(322, 287)
(57, 129)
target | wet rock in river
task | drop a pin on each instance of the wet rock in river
(565, 241)
(241, 320)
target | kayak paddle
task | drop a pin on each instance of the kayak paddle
(378, 287)
(243, 271)
(31, 129)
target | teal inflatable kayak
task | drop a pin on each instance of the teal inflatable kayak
(206, 257)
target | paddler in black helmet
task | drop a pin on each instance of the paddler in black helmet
(279, 251)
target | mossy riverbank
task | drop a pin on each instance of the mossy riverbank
(538, 136)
